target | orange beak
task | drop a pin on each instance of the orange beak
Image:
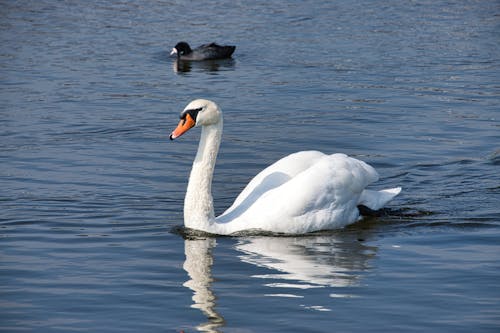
(184, 125)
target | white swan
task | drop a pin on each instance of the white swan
(302, 192)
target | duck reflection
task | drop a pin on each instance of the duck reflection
(183, 66)
(295, 263)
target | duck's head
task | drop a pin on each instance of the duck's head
(200, 112)
(180, 49)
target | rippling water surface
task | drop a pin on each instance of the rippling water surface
(91, 192)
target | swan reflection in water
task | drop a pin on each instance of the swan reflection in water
(295, 264)
(307, 262)
(183, 66)
(198, 265)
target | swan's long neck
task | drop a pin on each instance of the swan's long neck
(198, 203)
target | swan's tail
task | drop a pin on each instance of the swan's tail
(378, 199)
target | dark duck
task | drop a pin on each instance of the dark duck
(203, 52)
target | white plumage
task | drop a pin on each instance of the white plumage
(302, 192)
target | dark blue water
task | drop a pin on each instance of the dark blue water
(92, 192)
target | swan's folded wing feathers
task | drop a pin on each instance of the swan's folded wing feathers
(276, 174)
(327, 191)
(322, 196)
(361, 174)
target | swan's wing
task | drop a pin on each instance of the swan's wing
(274, 176)
(327, 192)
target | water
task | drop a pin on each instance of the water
(92, 191)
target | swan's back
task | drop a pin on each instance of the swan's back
(276, 174)
(300, 193)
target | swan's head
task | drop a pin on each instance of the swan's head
(200, 112)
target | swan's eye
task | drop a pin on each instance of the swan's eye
(192, 112)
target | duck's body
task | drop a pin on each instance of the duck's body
(210, 51)
(302, 192)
